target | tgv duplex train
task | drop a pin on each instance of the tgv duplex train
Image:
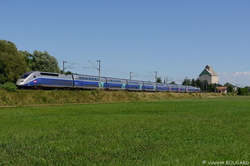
(38, 79)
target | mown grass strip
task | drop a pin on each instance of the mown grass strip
(36, 97)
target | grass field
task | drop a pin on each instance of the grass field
(178, 132)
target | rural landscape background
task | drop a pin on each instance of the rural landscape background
(93, 127)
(175, 39)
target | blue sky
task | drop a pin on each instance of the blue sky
(176, 38)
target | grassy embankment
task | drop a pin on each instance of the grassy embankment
(31, 97)
(177, 132)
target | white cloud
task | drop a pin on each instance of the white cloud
(236, 78)
(245, 73)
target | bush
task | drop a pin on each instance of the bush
(9, 86)
(242, 91)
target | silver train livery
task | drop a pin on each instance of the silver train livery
(42, 80)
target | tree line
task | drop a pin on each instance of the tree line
(206, 87)
(14, 62)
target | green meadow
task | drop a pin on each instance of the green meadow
(174, 132)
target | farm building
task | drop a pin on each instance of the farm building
(209, 74)
(221, 89)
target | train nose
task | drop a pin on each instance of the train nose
(20, 82)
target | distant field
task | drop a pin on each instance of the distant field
(177, 132)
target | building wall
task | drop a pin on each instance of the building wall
(210, 79)
(215, 80)
(206, 77)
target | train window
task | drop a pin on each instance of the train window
(131, 82)
(114, 86)
(50, 74)
(25, 75)
(118, 81)
(88, 78)
(133, 87)
(91, 85)
(149, 84)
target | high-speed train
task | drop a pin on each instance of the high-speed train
(42, 80)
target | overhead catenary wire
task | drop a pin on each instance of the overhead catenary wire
(90, 69)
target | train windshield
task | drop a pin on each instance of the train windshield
(25, 75)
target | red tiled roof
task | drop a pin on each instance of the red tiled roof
(221, 88)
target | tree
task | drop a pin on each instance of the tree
(28, 57)
(242, 91)
(248, 89)
(173, 82)
(43, 61)
(198, 82)
(12, 63)
(186, 82)
(193, 83)
(229, 86)
(68, 72)
(158, 80)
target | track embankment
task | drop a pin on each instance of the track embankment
(37, 97)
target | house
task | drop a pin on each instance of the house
(209, 74)
(222, 89)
